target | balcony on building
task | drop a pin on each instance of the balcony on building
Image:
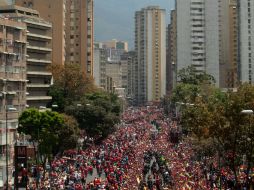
(38, 49)
(40, 37)
(36, 98)
(38, 73)
(38, 85)
(36, 60)
(38, 23)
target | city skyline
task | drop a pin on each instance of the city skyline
(107, 16)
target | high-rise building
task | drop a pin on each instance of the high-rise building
(124, 65)
(79, 34)
(171, 54)
(100, 61)
(72, 29)
(228, 44)
(39, 51)
(13, 36)
(131, 75)
(54, 12)
(198, 36)
(115, 44)
(114, 70)
(207, 38)
(246, 40)
(115, 57)
(150, 47)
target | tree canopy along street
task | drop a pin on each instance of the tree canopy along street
(147, 151)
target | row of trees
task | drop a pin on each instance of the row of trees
(81, 109)
(214, 118)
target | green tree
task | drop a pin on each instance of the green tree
(97, 114)
(191, 84)
(52, 131)
(231, 131)
(68, 134)
(190, 75)
(70, 84)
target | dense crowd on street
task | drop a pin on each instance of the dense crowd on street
(139, 155)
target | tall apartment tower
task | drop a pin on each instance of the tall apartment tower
(79, 34)
(39, 55)
(54, 12)
(100, 61)
(150, 46)
(207, 38)
(198, 36)
(72, 22)
(13, 36)
(228, 44)
(131, 75)
(171, 54)
(246, 40)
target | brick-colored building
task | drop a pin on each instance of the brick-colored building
(39, 52)
(13, 51)
(72, 29)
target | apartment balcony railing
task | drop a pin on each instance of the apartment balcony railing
(35, 98)
(39, 61)
(38, 85)
(38, 36)
(39, 49)
(39, 73)
(38, 22)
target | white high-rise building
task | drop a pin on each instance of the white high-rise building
(198, 40)
(246, 40)
(150, 47)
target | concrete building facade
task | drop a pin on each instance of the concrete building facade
(54, 12)
(150, 46)
(13, 43)
(39, 53)
(131, 76)
(207, 38)
(198, 36)
(246, 40)
(72, 29)
(100, 61)
(228, 44)
(114, 70)
(171, 54)
(79, 34)
(124, 64)
(115, 44)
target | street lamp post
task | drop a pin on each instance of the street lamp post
(6, 138)
(248, 112)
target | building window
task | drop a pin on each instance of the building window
(30, 4)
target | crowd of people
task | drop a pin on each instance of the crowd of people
(139, 155)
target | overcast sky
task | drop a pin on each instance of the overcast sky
(114, 19)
